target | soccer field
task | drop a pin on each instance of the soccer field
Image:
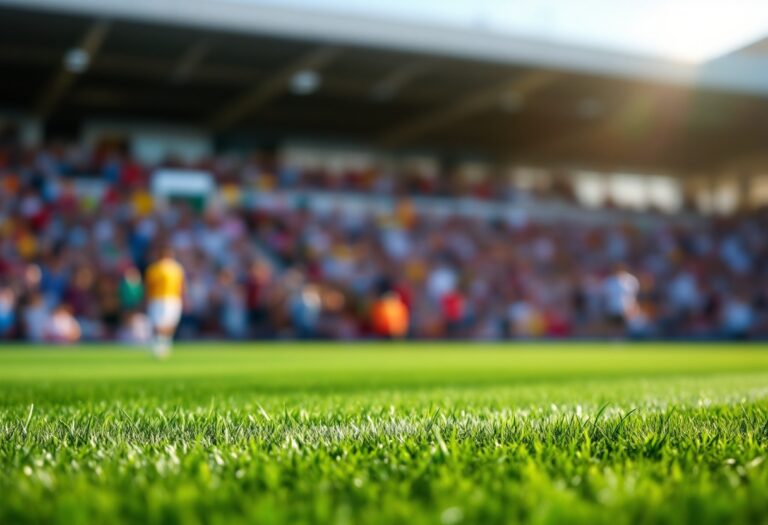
(407, 433)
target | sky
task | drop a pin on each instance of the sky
(688, 30)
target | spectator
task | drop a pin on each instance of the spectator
(36, 318)
(131, 290)
(737, 318)
(235, 314)
(305, 311)
(389, 316)
(136, 329)
(7, 312)
(453, 308)
(62, 327)
(621, 289)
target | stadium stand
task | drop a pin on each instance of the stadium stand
(273, 267)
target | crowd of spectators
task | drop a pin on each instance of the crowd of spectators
(71, 265)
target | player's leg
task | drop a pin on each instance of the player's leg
(156, 314)
(161, 344)
(167, 327)
(165, 315)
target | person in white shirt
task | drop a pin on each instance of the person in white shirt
(62, 327)
(620, 291)
(441, 281)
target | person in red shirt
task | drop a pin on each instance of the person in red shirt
(453, 308)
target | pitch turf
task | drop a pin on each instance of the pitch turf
(385, 434)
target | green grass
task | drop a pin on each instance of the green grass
(447, 434)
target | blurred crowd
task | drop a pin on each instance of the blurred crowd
(71, 265)
(411, 182)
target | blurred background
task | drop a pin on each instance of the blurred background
(423, 169)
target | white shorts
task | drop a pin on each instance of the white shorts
(164, 313)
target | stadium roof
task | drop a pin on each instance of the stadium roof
(228, 65)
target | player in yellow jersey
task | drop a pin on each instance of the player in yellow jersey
(164, 282)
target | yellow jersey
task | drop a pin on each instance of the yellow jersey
(164, 280)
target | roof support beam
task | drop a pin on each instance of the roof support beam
(525, 85)
(146, 68)
(63, 79)
(189, 61)
(388, 87)
(266, 90)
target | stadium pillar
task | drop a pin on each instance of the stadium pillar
(744, 183)
(691, 188)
